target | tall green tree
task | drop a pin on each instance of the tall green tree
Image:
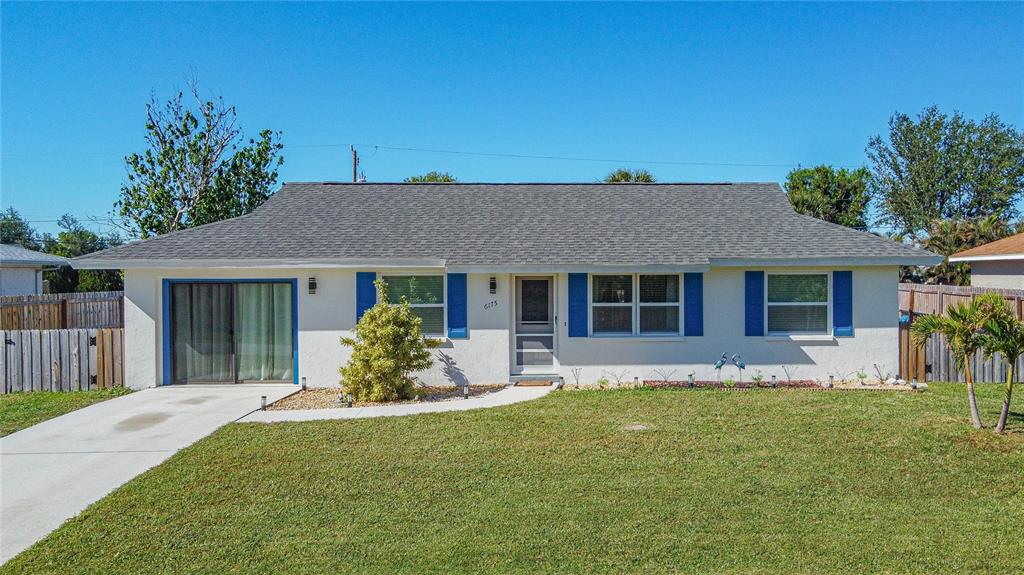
(835, 195)
(626, 175)
(942, 167)
(432, 177)
(14, 229)
(198, 167)
(75, 240)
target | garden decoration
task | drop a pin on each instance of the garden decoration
(738, 362)
(721, 363)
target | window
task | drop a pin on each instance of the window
(425, 295)
(659, 304)
(613, 304)
(616, 311)
(797, 303)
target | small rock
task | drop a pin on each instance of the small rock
(635, 427)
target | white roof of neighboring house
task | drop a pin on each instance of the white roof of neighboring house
(15, 255)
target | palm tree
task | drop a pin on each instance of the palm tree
(432, 178)
(963, 327)
(1004, 334)
(625, 175)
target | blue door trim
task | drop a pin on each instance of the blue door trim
(165, 317)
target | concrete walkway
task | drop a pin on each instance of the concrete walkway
(52, 471)
(506, 396)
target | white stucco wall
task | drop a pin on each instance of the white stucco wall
(998, 274)
(323, 318)
(20, 280)
(485, 357)
(875, 340)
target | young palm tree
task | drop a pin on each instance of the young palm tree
(627, 175)
(1004, 334)
(963, 327)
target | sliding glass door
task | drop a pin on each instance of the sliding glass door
(232, 332)
(202, 350)
(263, 332)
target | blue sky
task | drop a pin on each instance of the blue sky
(769, 84)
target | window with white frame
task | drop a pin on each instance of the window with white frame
(635, 304)
(659, 304)
(425, 294)
(798, 303)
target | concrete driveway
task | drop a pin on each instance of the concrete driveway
(52, 471)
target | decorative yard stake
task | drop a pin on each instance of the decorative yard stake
(775, 383)
(303, 384)
(689, 381)
(263, 403)
(720, 363)
(465, 390)
(739, 364)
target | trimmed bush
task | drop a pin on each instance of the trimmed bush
(387, 347)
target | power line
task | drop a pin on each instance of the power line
(560, 158)
(520, 156)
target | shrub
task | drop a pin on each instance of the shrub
(387, 347)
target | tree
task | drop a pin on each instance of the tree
(835, 195)
(626, 175)
(432, 177)
(387, 347)
(198, 168)
(962, 326)
(16, 230)
(75, 240)
(942, 167)
(1004, 334)
(948, 237)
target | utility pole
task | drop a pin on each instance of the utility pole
(355, 164)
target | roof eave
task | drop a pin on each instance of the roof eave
(985, 258)
(35, 263)
(917, 260)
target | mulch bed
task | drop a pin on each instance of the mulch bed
(794, 384)
(327, 397)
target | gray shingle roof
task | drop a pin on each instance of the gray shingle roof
(520, 224)
(12, 254)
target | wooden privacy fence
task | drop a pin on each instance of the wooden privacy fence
(62, 311)
(933, 362)
(62, 359)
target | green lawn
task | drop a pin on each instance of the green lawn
(720, 482)
(21, 410)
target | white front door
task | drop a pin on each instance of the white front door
(534, 337)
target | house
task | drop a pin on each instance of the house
(532, 280)
(998, 264)
(21, 269)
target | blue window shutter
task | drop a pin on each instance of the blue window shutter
(366, 292)
(842, 303)
(693, 304)
(577, 305)
(457, 325)
(754, 305)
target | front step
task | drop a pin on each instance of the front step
(535, 380)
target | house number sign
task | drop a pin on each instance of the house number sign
(491, 304)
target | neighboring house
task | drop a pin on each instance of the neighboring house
(21, 270)
(516, 279)
(998, 264)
